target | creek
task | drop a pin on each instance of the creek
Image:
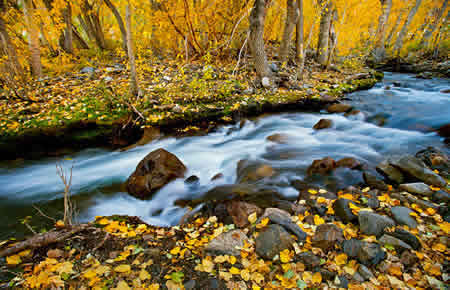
(397, 116)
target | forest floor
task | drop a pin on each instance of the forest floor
(92, 107)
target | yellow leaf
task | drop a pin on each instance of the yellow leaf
(321, 199)
(235, 271)
(24, 253)
(395, 270)
(123, 268)
(263, 223)
(225, 275)
(445, 226)
(312, 191)
(317, 278)
(122, 285)
(245, 274)
(175, 251)
(257, 277)
(318, 220)
(220, 259)
(431, 211)
(341, 259)
(252, 218)
(90, 274)
(439, 247)
(232, 260)
(307, 276)
(13, 260)
(144, 275)
(285, 256)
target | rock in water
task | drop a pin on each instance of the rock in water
(339, 108)
(323, 124)
(240, 211)
(156, 170)
(402, 216)
(272, 240)
(227, 243)
(417, 188)
(373, 224)
(374, 182)
(418, 169)
(322, 166)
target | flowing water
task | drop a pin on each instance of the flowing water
(394, 119)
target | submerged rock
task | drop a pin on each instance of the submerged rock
(156, 170)
(278, 138)
(323, 124)
(272, 240)
(349, 162)
(339, 108)
(374, 182)
(253, 171)
(322, 166)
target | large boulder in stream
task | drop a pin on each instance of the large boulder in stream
(249, 171)
(322, 166)
(157, 169)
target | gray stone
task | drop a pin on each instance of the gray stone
(342, 210)
(390, 240)
(365, 272)
(407, 237)
(441, 196)
(358, 277)
(327, 236)
(417, 188)
(265, 82)
(283, 218)
(309, 260)
(351, 247)
(370, 254)
(402, 216)
(390, 172)
(227, 243)
(339, 108)
(274, 67)
(373, 224)
(323, 124)
(272, 240)
(373, 182)
(418, 169)
(87, 70)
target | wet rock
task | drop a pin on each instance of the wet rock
(349, 162)
(402, 216)
(351, 247)
(291, 207)
(373, 202)
(326, 236)
(433, 157)
(441, 196)
(227, 243)
(352, 113)
(343, 282)
(192, 180)
(417, 188)
(327, 275)
(283, 218)
(339, 108)
(217, 177)
(390, 172)
(408, 259)
(406, 237)
(373, 182)
(323, 124)
(156, 170)
(444, 131)
(415, 167)
(358, 278)
(425, 75)
(365, 272)
(189, 285)
(272, 240)
(342, 210)
(253, 171)
(278, 138)
(390, 240)
(309, 260)
(321, 166)
(370, 254)
(239, 212)
(373, 224)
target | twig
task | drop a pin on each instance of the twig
(102, 243)
(240, 54)
(228, 42)
(43, 214)
(68, 210)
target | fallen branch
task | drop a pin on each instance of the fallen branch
(41, 240)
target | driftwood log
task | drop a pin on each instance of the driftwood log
(44, 239)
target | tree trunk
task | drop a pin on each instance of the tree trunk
(394, 28)
(399, 42)
(33, 40)
(90, 22)
(68, 36)
(10, 51)
(425, 42)
(256, 40)
(119, 20)
(134, 88)
(379, 50)
(83, 44)
(289, 26)
(299, 43)
(324, 33)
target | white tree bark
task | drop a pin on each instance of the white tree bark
(401, 36)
